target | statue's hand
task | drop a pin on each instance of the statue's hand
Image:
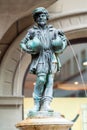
(23, 46)
(57, 43)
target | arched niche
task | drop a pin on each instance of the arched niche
(13, 69)
(15, 62)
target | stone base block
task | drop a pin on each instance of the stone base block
(45, 121)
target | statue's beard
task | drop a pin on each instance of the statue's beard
(42, 23)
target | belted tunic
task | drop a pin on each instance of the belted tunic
(46, 60)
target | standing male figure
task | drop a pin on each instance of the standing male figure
(44, 43)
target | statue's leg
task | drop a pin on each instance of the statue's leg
(38, 91)
(48, 94)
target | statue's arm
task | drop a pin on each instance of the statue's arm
(23, 44)
(63, 38)
(59, 41)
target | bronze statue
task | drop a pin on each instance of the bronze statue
(44, 43)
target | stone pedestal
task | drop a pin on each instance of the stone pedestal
(45, 121)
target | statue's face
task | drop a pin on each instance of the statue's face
(41, 19)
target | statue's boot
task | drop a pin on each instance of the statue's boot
(46, 106)
(36, 107)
